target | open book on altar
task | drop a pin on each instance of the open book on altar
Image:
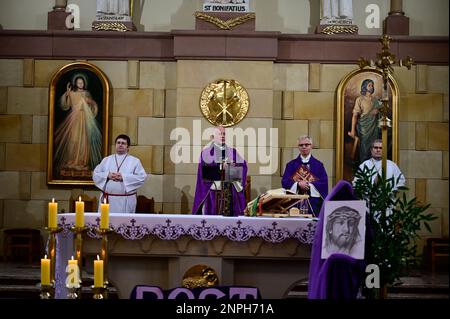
(278, 203)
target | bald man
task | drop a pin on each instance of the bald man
(215, 156)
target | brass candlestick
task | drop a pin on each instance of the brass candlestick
(73, 281)
(47, 291)
(52, 253)
(104, 253)
(74, 292)
(79, 231)
(100, 292)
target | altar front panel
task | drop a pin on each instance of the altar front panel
(157, 249)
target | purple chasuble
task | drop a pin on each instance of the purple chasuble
(317, 169)
(205, 196)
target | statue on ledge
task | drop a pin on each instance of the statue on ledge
(336, 16)
(117, 7)
(114, 15)
(336, 9)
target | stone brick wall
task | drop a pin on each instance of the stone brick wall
(150, 99)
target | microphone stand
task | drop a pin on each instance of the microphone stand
(230, 192)
(226, 197)
(221, 210)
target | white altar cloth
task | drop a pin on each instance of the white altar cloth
(200, 227)
(173, 226)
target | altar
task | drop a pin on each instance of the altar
(157, 249)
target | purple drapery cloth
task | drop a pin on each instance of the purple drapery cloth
(318, 170)
(203, 192)
(339, 276)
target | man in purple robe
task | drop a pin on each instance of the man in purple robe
(218, 157)
(306, 175)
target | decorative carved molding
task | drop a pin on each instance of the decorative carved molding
(225, 24)
(110, 26)
(339, 29)
(218, 44)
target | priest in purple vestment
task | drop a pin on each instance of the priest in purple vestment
(215, 156)
(306, 175)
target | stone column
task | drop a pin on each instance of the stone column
(396, 23)
(56, 19)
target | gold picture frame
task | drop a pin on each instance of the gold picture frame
(349, 150)
(78, 123)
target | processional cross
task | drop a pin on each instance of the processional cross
(385, 61)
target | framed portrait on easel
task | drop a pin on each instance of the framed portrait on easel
(358, 111)
(77, 123)
(344, 228)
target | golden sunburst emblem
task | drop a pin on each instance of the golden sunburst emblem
(224, 102)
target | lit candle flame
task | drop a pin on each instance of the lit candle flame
(45, 257)
(104, 200)
(98, 257)
(79, 198)
(53, 200)
(72, 257)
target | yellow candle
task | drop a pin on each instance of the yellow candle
(72, 261)
(45, 271)
(104, 218)
(98, 273)
(73, 277)
(79, 213)
(52, 211)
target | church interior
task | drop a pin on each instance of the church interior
(165, 73)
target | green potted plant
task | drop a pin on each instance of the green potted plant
(394, 222)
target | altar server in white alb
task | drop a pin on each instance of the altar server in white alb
(375, 163)
(119, 176)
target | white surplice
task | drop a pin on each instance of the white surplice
(133, 175)
(392, 170)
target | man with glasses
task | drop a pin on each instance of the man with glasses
(306, 175)
(375, 163)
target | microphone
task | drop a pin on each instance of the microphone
(223, 152)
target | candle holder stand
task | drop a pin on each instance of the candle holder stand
(79, 231)
(47, 291)
(74, 292)
(104, 253)
(100, 292)
(52, 251)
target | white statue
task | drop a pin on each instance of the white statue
(116, 7)
(336, 9)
